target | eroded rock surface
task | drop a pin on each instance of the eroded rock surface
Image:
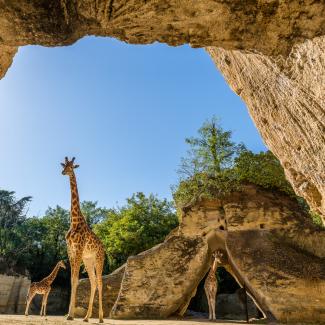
(271, 247)
(286, 99)
(7, 54)
(271, 27)
(161, 281)
(272, 55)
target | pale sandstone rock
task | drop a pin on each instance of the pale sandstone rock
(273, 57)
(7, 54)
(270, 246)
(286, 99)
(160, 281)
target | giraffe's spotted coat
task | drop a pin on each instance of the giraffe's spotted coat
(83, 245)
(42, 287)
(211, 284)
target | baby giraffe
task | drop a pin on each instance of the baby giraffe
(211, 284)
(42, 287)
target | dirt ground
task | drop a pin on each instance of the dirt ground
(60, 320)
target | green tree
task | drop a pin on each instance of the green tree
(216, 166)
(262, 169)
(142, 223)
(211, 152)
(44, 239)
(12, 217)
(92, 213)
(206, 171)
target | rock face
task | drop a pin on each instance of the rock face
(270, 246)
(286, 99)
(7, 54)
(271, 53)
(13, 291)
(270, 27)
(161, 281)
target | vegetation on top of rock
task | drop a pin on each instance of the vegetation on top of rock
(215, 166)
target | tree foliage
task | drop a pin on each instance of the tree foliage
(216, 166)
(12, 217)
(211, 152)
(262, 169)
(37, 243)
(139, 225)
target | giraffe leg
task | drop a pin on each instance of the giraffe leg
(42, 305)
(90, 268)
(45, 302)
(210, 308)
(99, 270)
(41, 311)
(30, 297)
(75, 266)
(213, 306)
(208, 299)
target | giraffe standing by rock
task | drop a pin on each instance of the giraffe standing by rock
(211, 284)
(83, 245)
(42, 287)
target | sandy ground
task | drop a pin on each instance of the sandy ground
(60, 320)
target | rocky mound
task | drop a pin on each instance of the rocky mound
(270, 246)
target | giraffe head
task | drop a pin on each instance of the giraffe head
(217, 256)
(61, 264)
(68, 166)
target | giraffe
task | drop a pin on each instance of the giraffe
(211, 284)
(83, 245)
(42, 287)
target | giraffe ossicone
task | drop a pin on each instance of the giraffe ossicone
(83, 245)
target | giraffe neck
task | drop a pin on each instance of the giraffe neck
(53, 274)
(214, 266)
(75, 215)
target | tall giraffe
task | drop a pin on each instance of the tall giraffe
(211, 284)
(83, 245)
(42, 287)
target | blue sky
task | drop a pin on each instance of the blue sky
(122, 110)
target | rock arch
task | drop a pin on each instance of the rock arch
(278, 264)
(270, 52)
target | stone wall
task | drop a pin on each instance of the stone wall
(13, 292)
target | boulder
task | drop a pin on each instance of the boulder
(161, 281)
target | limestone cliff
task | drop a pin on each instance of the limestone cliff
(286, 100)
(270, 246)
(271, 53)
